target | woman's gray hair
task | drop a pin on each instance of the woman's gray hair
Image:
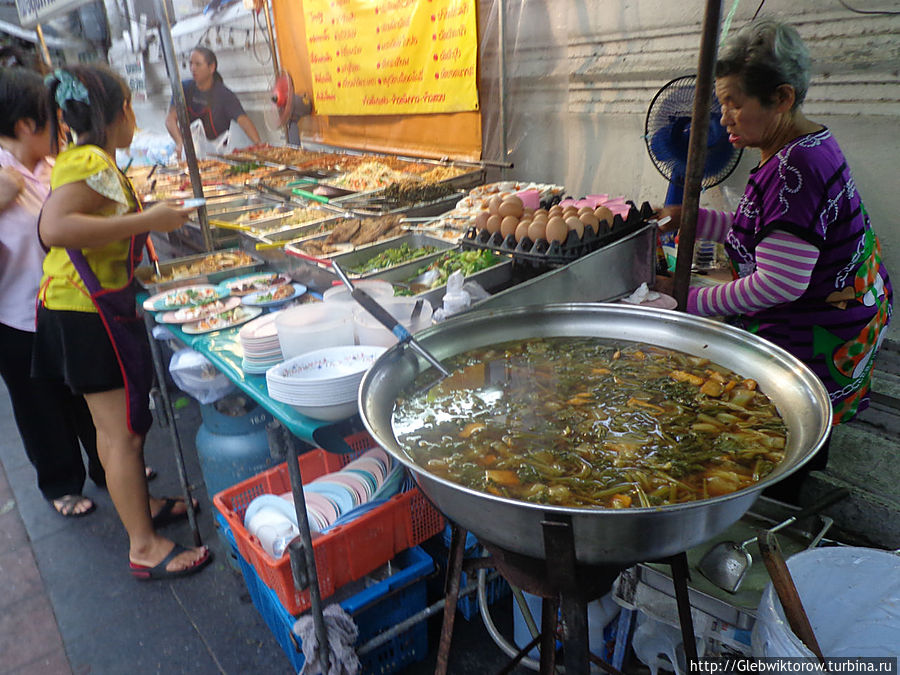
(764, 55)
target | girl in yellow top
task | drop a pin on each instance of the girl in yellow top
(88, 330)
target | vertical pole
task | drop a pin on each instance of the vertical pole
(274, 52)
(696, 158)
(315, 594)
(45, 53)
(501, 64)
(184, 125)
(451, 595)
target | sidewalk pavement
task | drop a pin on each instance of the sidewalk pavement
(70, 606)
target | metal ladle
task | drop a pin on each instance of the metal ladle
(726, 563)
(384, 317)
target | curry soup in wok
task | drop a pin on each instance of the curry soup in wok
(591, 422)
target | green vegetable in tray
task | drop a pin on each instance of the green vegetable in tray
(243, 167)
(392, 257)
(469, 262)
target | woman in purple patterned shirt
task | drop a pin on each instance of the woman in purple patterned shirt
(807, 265)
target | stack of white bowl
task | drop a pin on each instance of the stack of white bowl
(322, 384)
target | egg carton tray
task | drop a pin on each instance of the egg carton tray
(542, 254)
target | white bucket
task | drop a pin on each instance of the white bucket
(370, 331)
(305, 328)
(852, 598)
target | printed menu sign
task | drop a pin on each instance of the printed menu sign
(393, 56)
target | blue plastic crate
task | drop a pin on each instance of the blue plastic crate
(372, 611)
(496, 588)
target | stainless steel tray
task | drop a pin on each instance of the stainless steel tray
(144, 272)
(238, 202)
(414, 240)
(490, 279)
(608, 273)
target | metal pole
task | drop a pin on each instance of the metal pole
(312, 574)
(267, 8)
(168, 414)
(184, 125)
(501, 58)
(45, 53)
(696, 158)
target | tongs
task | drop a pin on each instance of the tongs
(384, 317)
(151, 253)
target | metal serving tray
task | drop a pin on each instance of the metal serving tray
(413, 239)
(607, 274)
(490, 279)
(238, 202)
(361, 206)
(144, 272)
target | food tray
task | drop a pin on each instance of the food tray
(279, 219)
(237, 203)
(370, 204)
(541, 255)
(345, 553)
(143, 273)
(413, 240)
(490, 279)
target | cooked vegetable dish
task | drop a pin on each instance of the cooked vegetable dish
(589, 422)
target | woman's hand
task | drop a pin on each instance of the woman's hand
(673, 212)
(11, 184)
(163, 218)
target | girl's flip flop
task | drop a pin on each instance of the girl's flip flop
(147, 573)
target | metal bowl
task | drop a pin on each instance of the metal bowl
(603, 536)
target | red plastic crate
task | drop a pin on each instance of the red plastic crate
(344, 554)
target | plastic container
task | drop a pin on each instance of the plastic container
(306, 328)
(377, 288)
(370, 331)
(857, 615)
(600, 613)
(231, 442)
(345, 553)
(375, 609)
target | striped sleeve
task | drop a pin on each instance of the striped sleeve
(784, 264)
(713, 225)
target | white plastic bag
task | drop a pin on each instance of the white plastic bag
(203, 147)
(196, 376)
(456, 299)
(852, 598)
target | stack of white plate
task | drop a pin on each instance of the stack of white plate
(259, 340)
(322, 384)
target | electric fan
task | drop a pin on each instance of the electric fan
(667, 131)
(287, 107)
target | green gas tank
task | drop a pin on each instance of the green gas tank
(232, 443)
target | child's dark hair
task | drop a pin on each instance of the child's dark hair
(22, 96)
(106, 94)
(210, 57)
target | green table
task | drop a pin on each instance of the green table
(223, 349)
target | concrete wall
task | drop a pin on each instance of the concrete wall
(580, 76)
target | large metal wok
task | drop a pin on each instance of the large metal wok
(603, 536)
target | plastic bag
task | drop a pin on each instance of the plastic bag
(456, 299)
(852, 598)
(204, 147)
(196, 376)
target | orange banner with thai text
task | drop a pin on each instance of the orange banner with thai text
(392, 56)
(456, 134)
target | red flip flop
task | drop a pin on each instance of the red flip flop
(157, 572)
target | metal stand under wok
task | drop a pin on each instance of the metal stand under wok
(566, 587)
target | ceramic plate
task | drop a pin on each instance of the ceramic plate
(197, 312)
(185, 296)
(273, 297)
(233, 317)
(251, 283)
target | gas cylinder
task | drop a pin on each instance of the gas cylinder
(231, 442)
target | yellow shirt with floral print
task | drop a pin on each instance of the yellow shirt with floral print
(61, 286)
